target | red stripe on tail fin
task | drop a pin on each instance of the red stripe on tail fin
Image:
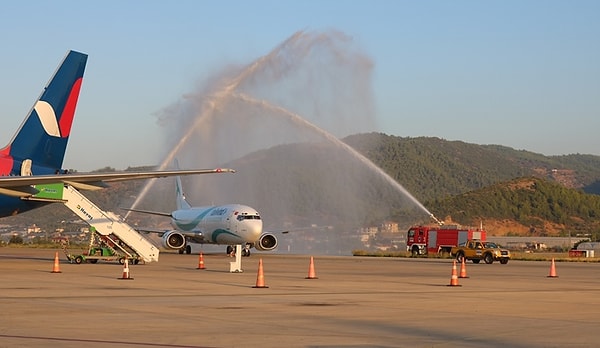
(66, 119)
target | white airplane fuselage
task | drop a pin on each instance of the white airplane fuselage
(228, 224)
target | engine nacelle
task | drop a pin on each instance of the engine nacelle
(173, 240)
(266, 242)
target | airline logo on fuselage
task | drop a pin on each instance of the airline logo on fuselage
(218, 211)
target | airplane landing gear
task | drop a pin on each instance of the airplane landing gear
(185, 249)
(245, 251)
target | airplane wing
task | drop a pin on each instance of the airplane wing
(152, 212)
(23, 186)
(191, 236)
(147, 230)
(295, 230)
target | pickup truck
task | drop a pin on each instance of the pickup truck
(477, 250)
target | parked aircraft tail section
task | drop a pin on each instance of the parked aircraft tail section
(39, 145)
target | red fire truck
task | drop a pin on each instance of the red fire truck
(422, 240)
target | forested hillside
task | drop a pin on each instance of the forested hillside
(516, 190)
(433, 167)
(539, 206)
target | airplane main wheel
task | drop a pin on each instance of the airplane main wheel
(245, 253)
(180, 251)
(188, 249)
(229, 249)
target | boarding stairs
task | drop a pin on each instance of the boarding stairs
(106, 223)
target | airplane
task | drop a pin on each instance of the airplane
(35, 154)
(228, 224)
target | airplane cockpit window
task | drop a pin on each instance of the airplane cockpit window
(248, 217)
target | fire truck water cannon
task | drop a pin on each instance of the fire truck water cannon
(441, 223)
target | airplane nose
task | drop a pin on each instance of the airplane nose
(255, 228)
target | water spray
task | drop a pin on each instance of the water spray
(332, 139)
(436, 219)
(275, 65)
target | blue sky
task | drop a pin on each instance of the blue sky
(524, 74)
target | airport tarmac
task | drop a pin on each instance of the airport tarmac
(355, 302)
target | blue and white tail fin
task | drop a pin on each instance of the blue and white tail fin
(39, 145)
(181, 202)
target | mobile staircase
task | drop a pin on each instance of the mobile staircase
(105, 223)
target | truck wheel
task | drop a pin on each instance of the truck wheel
(460, 256)
(504, 261)
(476, 260)
(122, 261)
(78, 260)
(488, 258)
(415, 252)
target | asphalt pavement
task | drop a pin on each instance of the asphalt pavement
(353, 302)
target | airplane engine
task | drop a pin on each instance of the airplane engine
(266, 242)
(173, 240)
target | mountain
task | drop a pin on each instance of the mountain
(531, 205)
(438, 173)
(303, 184)
(433, 167)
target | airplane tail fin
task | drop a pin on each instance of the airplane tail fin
(39, 145)
(181, 202)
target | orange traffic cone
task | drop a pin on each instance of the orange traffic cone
(454, 277)
(463, 269)
(56, 267)
(311, 269)
(552, 270)
(126, 270)
(201, 261)
(260, 277)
